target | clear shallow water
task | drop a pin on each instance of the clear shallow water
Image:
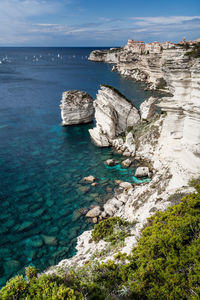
(42, 163)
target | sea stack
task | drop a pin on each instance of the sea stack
(113, 113)
(76, 108)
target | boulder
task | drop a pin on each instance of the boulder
(94, 212)
(110, 162)
(76, 108)
(148, 108)
(89, 178)
(109, 209)
(126, 185)
(94, 220)
(142, 172)
(126, 163)
(127, 153)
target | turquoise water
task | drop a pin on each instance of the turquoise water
(42, 163)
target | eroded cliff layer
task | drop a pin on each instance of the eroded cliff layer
(181, 127)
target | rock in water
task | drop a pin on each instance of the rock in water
(126, 163)
(94, 212)
(76, 108)
(113, 113)
(142, 172)
(110, 162)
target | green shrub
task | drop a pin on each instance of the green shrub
(164, 264)
(167, 255)
(195, 52)
(110, 230)
(44, 287)
(31, 272)
(16, 288)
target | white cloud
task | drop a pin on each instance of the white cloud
(15, 16)
(31, 22)
(143, 21)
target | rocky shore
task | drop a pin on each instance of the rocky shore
(168, 144)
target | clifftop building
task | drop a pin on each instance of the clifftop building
(155, 47)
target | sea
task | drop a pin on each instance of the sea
(42, 164)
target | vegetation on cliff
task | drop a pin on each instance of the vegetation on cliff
(195, 52)
(164, 265)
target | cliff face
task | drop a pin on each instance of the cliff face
(146, 67)
(141, 67)
(181, 127)
(109, 56)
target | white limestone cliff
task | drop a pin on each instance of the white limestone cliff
(76, 108)
(170, 144)
(181, 127)
(109, 56)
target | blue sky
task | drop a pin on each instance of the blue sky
(96, 23)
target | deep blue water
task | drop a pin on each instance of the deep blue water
(42, 163)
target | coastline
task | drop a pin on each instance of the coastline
(146, 142)
(170, 175)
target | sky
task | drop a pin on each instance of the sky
(108, 23)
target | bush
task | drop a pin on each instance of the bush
(45, 287)
(109, 230)
(195, 51)
(167, 255)
(164, 264)
(31, 272)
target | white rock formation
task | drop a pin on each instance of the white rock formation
(109, 56)
(142, 172)
(113, 113)
(171, 144)
(180, 137)
(148, 108)
(76, 108)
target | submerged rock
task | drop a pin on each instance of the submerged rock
(36, 241)
(12, 265)
(50, 240)
(89, 178)
(76, 108)
(25, 226)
